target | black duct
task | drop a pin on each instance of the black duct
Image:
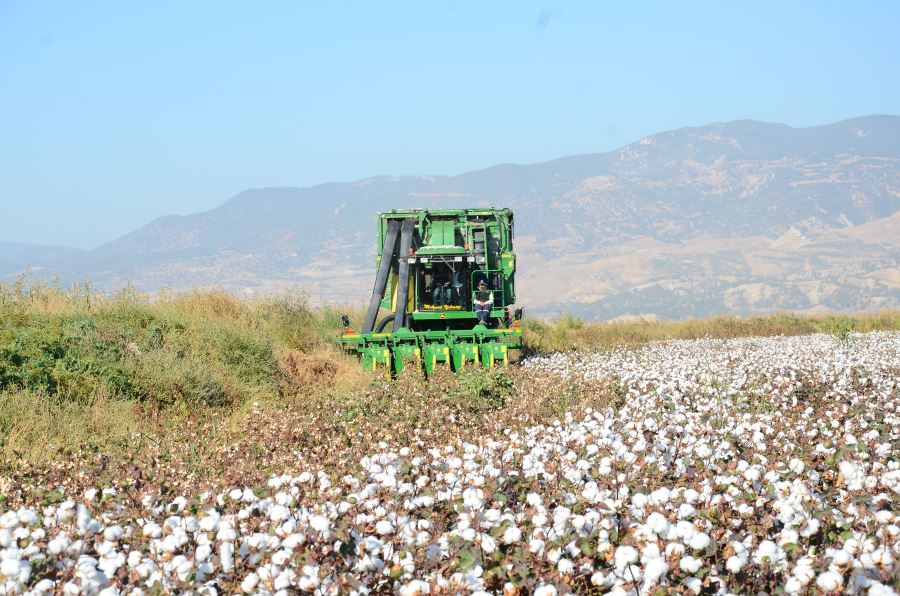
(406, 234)
(384, 268)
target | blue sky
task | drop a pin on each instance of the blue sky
(113, 113)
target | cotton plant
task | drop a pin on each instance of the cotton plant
(729, 466)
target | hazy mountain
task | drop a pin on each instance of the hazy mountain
(735, 217)
(17, 258)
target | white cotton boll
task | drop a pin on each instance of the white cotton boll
(884, 516)
(134, 559)
(384, 527)
(694, 584)
(796, 466)
(788, 536)
(660, 496)
(226, 556)
(849, 473)
(829, 581)
(841, 557)
(657, 523)
(599, 580)
(27, 517)
(684, 529)
(235, 494)
(43, 586)
(151, 530)
(752, 474)
(690, 564)
(169, 544)
(65, 512)
(536, 546)
(104, 548)
(803, 571)
(745, 509)
(209, 522)
(699, 541)
(473, 498)
(488, 544)
(183, 569)
(561, 515)
(58, 545)
(279, 513)
(113, 533)
(283, 582)
(639, 500)
(539, 520)
(545, 590)
(83, 520)
(654, 570)
(292, 541)
(250, 582)
(491, 517)
(734, 564)
(565, 566)
(10, 567)
(226, 533)
(554, 555)
(766, 550)
(578, 522)
(624, 556)
(793, 586)
(512, 535)
(852, 546)
(178, 504)
(416, 587)
(810, 528)
(879, 589)
(674, 549)
(321, 524)
(202, 553)
(882, 556)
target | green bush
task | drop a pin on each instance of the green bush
(839, 328)
(210, 349)
(483, 390)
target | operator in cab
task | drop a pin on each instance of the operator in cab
(484, 301)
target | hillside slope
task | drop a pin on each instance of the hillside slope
(739, 217)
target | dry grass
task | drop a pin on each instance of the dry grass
(33, 427)
(570, 333)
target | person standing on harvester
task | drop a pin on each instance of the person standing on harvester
(484, 300)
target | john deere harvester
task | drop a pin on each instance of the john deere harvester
(437, 270)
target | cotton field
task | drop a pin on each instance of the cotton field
(737, 466)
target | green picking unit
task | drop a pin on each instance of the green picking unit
(430, 265)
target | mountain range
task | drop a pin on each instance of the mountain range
(740, 217)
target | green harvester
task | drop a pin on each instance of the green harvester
(429, 270)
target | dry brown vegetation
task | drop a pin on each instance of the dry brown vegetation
(206, 388)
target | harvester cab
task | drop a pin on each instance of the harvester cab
(447, 278)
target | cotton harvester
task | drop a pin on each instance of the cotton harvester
(436, 269)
